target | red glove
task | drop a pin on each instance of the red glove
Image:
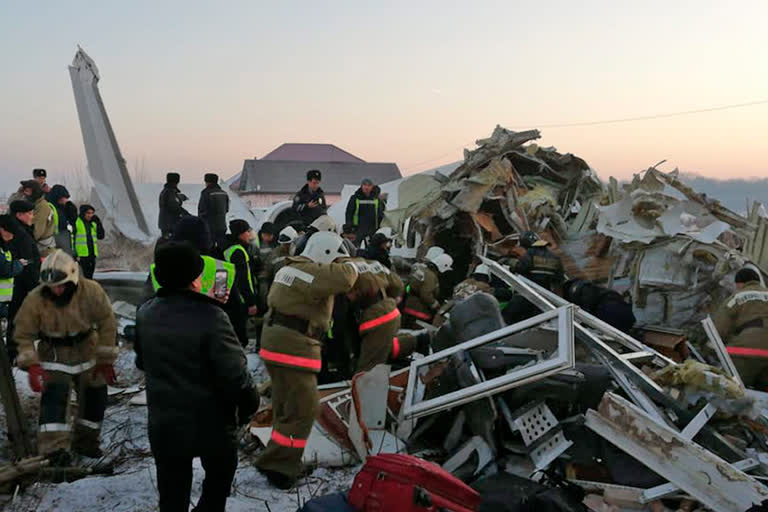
(37, 378)
(107, 371)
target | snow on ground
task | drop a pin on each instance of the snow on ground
(133, 486)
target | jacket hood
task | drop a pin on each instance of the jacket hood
(84, 208)
(57, 192)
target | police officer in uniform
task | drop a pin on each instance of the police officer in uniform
(72, 318)
(213, 207)
(9, 267)
(539, 264)
(300, 307)
(309, 202)
(742, 322)
(424, 287)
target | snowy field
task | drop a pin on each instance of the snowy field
(133, 487)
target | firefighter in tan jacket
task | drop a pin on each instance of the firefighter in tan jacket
(72, 318)
(742, 322)
(300, 306)
(424, 287)
(376, 294)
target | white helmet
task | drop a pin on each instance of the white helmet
(443, 262)
(59, 268)
(324, 247)
(483, 270)
(287, 235)
(433, 252)
(324, 223)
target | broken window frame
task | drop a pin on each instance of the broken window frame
(726, 363)
(563, 358)
(631, 379)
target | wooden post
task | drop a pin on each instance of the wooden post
(18, 433)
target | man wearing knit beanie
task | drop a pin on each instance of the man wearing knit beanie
(198, 385)
(239, 254)
(213, 208)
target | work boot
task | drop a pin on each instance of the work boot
(279, 480)
(60, 458)
(424, 342)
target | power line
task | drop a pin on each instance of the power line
(613, 121)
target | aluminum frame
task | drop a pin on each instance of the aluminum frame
(722, 353)
(563, 358)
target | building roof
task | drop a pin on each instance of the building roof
(311, 153)
(287, 177)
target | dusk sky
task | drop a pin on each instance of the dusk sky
(199, 86)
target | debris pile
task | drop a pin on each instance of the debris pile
(563, 405)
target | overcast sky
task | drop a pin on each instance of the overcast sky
(199, 86)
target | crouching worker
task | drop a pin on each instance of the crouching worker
(300, 306)
(72, 317)
(198, 386)
(375, 295)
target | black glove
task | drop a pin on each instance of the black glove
(247, 405)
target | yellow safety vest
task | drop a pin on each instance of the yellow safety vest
(6, 284)
(210, 266)
(80, 239)
(228, 256)
(358, 202)
(55, 218)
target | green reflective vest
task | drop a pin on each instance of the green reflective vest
(210, 266)
(6, 284)
(55, 218)
(228, 256)
(358, 202)
(80, 239)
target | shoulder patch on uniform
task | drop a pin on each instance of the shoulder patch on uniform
(368, 267)
(748, 296)
(287, 275)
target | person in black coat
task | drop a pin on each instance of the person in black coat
(171, 209)
(309, 202)
(213, 207)
(59, 198)
(365, 210)
(23, 247)
(606, 304)
(378, 249)
(198, 386)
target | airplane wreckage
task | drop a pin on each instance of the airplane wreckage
(563, 408)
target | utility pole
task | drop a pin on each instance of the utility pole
(18, 431)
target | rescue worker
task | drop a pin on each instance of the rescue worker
(365, 210)
(276, 258)
(539, 264)
(198, 385)
(59, 198)
(72, 318)
(378, 248)
(300, 306)
(9, 267)
(478, 281)
(213, 208)
(375, 294)
(237, 253)
(23, 247)
(322, 223)
(171, 209)
(607, 305)
(422, 301)
(46, 219)
(742, 322)
(309, 202)
(88, 230)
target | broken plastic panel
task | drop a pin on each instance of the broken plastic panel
(542, 433)
(561, 358)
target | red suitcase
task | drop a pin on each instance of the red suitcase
(404, 483)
